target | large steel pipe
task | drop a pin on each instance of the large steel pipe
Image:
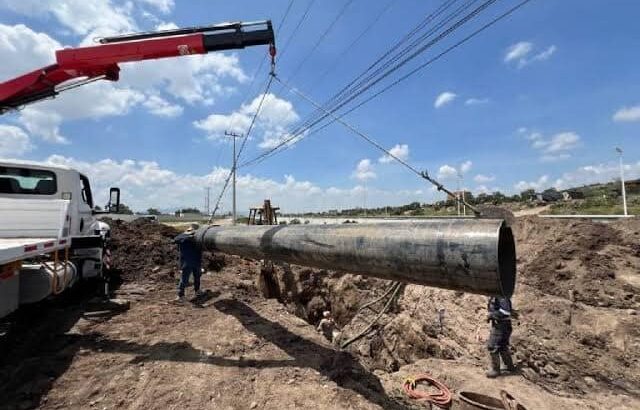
(470, 255)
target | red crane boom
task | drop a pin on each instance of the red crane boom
(101, 61)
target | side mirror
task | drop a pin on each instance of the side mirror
(114, 201)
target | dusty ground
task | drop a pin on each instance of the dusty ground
(578, 339)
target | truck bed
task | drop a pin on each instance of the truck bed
(15, 249)
(30, 227)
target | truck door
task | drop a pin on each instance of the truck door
(85, 206)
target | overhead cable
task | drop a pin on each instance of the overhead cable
(286, 142)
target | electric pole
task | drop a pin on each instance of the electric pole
(233, 135)
(624, 193)
(207, 201)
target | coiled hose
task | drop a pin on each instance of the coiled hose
(441, 399)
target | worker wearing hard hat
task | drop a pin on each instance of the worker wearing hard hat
(328, 327)
(190, 262)
(499, 315)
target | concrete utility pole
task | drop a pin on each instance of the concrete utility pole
(624, 192)
(207, 201)
(234, 136)
(458, 191)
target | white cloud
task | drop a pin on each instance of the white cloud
(539, 185)
(482, 189)
(545, 54)
(447, 172)
(450, 172)
(562, 142)
(520, 53)
(89, 18)
(444, 98)
(164, 6)
(45, 118)
(195, 79)
(554, 157)
(400, 151)
(275, 118)
(598, 173)
(364, 170)
(14, 142)
(483, 179)
(627, 114)
(476, 101)
(147, 184)
(161, 107)
(273, 139)
(555, 148)
(45, 125)
(24, 50)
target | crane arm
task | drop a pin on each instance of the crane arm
(101, 61)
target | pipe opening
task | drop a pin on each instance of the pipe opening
(507, 260)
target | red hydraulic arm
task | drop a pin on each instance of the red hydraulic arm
(86, 64)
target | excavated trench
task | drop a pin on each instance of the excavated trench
(576, 295)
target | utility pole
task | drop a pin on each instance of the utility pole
(233, 169)
(458, 192)
(624, 193)
(207, 201)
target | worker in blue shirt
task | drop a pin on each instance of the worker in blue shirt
(190, 262)
(499, 315)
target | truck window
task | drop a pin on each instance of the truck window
(86, 191)
(15, 180)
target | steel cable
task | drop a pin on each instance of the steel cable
(244, 141)
(285, 142)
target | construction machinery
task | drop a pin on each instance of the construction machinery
(473, 255)
(49, 233)
(78, 66)
(263, 215)
(50, 236)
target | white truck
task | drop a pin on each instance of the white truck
(50, 237)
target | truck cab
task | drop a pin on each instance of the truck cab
(32, 196)
(35, 181)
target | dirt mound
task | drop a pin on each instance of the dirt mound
(576, 293)
(142, 250)
(576, 260)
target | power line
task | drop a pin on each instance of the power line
(265, 57)
(346, 92)
(337, 60)
(299, 134)
(244, 142)
(296, 28)
(377, 145)
(321, 38)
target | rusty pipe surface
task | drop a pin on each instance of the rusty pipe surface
(470, 255)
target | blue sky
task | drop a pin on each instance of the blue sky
(539, 100)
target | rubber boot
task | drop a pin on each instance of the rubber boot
(505, 355)
(494, 365)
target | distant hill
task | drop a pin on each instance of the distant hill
(596, 198)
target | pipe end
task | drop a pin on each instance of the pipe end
(507, 260)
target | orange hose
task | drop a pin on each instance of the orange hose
(441, 399)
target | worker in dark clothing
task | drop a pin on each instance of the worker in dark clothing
(190, 261)
(499, 315)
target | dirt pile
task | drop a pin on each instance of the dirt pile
(577, 293)
(578, 260)
(144, 251)
(580, 300)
